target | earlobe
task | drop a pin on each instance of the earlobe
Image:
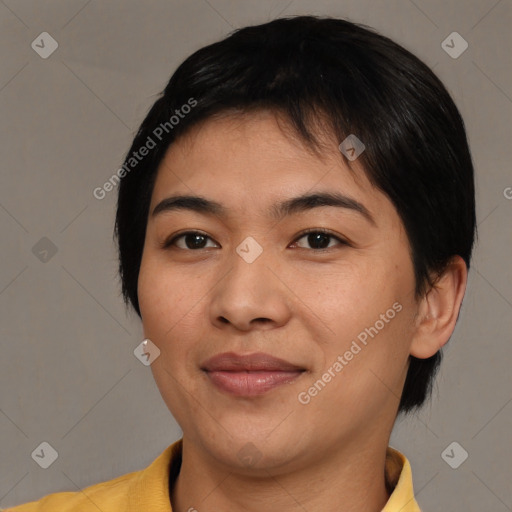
(439, 309)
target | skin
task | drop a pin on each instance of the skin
(295, 301)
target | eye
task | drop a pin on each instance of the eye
(192, 240)
(319, 238)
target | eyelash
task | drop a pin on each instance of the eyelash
(168, 243)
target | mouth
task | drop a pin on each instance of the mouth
(249, 375)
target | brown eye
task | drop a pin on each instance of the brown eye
(320, 239)
(191, 240)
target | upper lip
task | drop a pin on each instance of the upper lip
(230, 361)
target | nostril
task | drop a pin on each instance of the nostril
(262, 320)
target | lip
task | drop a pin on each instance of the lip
(230, 361)
(249, 375)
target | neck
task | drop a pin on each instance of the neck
(347, 480)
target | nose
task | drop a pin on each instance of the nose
(251, 296)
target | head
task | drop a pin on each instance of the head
(261, 117)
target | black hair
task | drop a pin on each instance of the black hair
(354, 81)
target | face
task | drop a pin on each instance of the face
(326, 287)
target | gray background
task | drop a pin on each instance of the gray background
(68, 375)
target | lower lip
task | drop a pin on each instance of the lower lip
(251, 383)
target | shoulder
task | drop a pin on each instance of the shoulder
(147, 489)
(109, 495)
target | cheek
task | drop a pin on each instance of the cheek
(369, 309)
(170, 301)
(150, 294)
(159, 298)
(167, 310)
(369, 367)
(351, 297)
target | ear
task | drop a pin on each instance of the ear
(439, 309)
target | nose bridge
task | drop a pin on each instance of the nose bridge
(249, 290)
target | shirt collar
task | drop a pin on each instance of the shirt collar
(150, 487)
(399, 478)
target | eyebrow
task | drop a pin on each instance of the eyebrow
(277, 211)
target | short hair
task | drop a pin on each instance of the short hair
(323, 71)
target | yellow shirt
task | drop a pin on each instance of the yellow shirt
(148, 490)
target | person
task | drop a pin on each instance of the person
(295, 221)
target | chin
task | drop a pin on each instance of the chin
(255, 451)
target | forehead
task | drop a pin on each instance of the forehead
(250, 161)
